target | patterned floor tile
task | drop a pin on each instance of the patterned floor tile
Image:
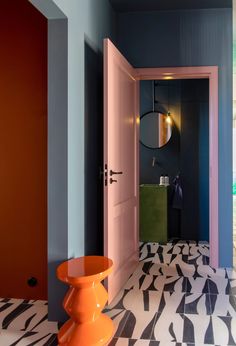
(10, 311)
(46, 327)
(173, 298)
(19, 338)
(135, 342)
(188, 318)
(173, 284)
(223, 305)
(169, 258)
(233, 286)
(196, 285)
(209, 272)
(36, 302)
(146, 257)
(197, 329)
(168, 327)
(197, 303)
(11, 300)
(201, 249)
(213, 330)
(172, 302)
(231, 273)
(132, 342)
(138, 326)
(137, 301)
(224, 330)
(23, 301)
(157, 283)
(178, 249)
(176, 268)
(162, 269)
(181, 249)
(136, 280)
(218, 285)
(148, 251)
(198, 259)
(143, 306)
(117, 302)
(119, 318)
(29, 318)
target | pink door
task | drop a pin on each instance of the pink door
(121, 162)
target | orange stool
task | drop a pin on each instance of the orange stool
(84, 302)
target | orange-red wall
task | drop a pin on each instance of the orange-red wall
(23, 150)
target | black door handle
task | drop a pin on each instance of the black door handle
(112, 181)
(112, 172)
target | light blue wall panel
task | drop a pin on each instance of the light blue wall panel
(88, 23)
(76, 29)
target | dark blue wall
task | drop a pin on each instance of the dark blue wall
(204, 171)
(191, 38)
(168, 97)
(194, 159)
(188, 102)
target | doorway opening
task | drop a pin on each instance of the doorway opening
(174, 160)
(210, 73)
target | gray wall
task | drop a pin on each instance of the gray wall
(191, 38)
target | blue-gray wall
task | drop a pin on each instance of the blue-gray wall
(191, 38)
(57, 159)
(194, 158)
(75, 44)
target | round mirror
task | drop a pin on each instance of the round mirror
(155, 129)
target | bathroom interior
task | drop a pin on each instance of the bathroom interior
(174, 160)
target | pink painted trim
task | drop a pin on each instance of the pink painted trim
(105, 144)
(137, 156)
(176, 72)
(210, 72)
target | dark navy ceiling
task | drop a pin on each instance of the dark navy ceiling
(160, 5)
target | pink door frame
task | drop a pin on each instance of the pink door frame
(210, 72)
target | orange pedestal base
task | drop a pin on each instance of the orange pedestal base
(84, 302)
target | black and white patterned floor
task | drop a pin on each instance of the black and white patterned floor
(24, 323)
(173, 298)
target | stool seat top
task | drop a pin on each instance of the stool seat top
(84, 269)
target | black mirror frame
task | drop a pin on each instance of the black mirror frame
(146, 146)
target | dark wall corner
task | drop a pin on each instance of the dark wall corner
(93, 150)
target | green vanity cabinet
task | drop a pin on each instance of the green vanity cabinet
(153, 213)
